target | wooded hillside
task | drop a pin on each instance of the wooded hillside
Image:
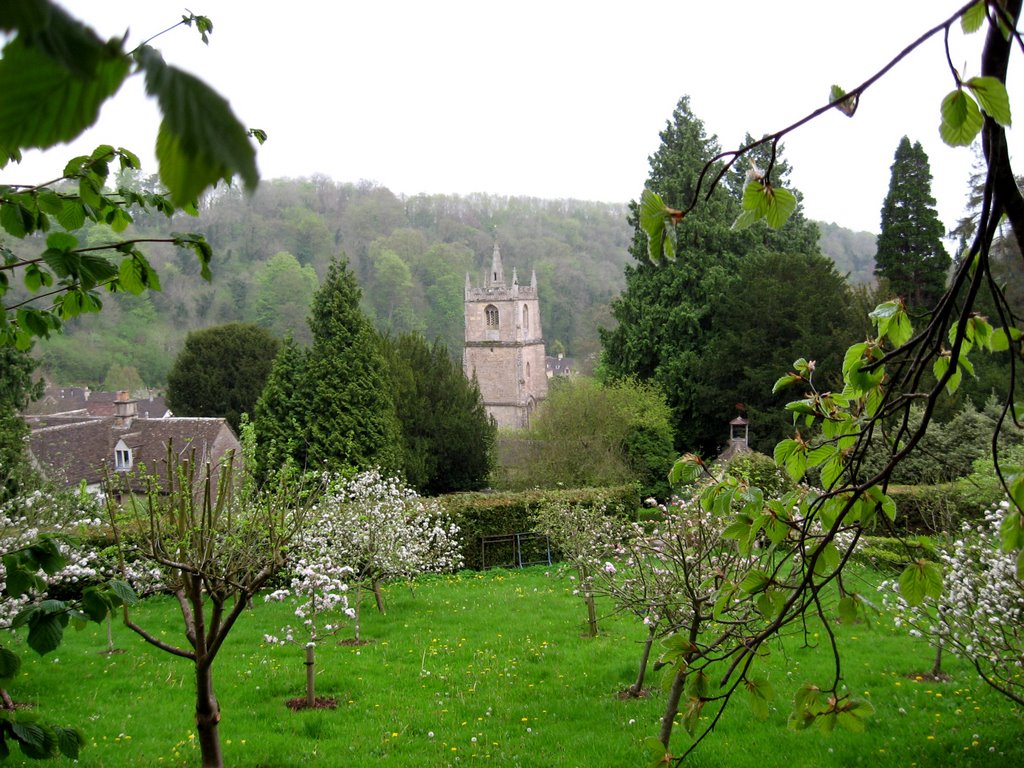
(409, 254)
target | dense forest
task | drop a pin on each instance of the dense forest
(411, 256)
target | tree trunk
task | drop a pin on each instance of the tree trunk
(207, 719)
(310, 675)
(359, 607)
(937, 664)
(637, 688)
(672, 707)
(591, 614)
(378, 596)
(5, 697)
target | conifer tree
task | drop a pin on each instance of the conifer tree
(447, 436)
(221, 371)
(666, 314)
(911, 257)
(280, 413)
(350, 413)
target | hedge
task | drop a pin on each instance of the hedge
(931, 508)
(499, 514)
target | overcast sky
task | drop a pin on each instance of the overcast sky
(552, 99)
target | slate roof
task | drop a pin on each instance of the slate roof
(69, 448)
(72, 399)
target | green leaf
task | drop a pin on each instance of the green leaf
(940, 368)
(46, 554)
(961, 119)
(10, 663)
(991, 93)
(46, 103)
(123, 591)
(655, 221)
(687, 469)
(72, 214)
(973, 17)
(851, 716)
(1001, 337)
(16, 219)
(845, 104)
(763, 201)
(827, 561)
(46, 622)
(69, 741)
(755, 581)
(781, 207)
(200, 141)
(761, 693)
(657, 753)
(36, 740)
(848, 610)
(920, 579)
(785, 381)
(94, 604)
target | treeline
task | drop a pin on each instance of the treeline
(410, 256)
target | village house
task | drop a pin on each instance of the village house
(72, 447)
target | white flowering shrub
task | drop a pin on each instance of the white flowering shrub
(980, 614)
(48, 573)
(365, 529)
(61, 522)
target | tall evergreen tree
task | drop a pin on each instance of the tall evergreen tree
(911, 257)
(351, 421)
(666, 313)
(447, 436)
(281, 412)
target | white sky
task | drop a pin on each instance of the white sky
(551, 99)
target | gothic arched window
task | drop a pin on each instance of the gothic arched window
(492, 316)
(526, 318)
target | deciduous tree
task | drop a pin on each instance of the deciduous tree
(56, 73)
(215, 539)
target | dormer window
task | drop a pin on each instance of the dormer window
(122, 457)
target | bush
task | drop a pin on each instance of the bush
(890, 554)
(499, 514)
(762, 472)
(588, 434)
(931, 508)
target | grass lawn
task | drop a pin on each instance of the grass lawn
(491, 669)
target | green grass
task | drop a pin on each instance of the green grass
(494, 666)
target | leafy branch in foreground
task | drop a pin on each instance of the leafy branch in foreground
(962, 119)
(801, 543)
(55, 74)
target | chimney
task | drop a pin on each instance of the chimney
(125, 409)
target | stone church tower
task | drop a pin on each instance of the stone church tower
(504, 345)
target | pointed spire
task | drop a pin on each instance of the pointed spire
(515, 277)
(497, 276)
(469, 285)
(533, 279)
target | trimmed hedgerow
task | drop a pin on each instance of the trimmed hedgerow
(480, 515)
